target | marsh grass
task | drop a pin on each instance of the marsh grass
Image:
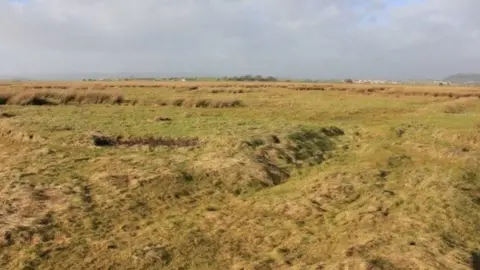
(202, 103)
(59, 97)
(345, 178)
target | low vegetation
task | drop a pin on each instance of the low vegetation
(102, 140)
(6, 115)
(234, 91)
(59, 97)
(202, 103)
(292, 176)
(461, 105)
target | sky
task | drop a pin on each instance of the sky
(371, 39)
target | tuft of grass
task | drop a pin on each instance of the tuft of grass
(254, 142)
(162, 119)
(61, 97)
(6, 115)
(312, 87)
(177, 102)
(205, 103)
(4, 97)
(232, 91)
(28, 98)
(460, 105)
(381, 264)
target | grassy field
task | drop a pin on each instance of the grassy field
(216, 175)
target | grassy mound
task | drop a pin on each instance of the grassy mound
(268, 161)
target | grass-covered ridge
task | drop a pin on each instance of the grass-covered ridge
(299, 176)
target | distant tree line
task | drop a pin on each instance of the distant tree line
(250, 78)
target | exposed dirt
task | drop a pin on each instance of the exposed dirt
(103, 141)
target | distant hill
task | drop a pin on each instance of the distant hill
(464, 78)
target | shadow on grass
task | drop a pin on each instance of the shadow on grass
(476, 260)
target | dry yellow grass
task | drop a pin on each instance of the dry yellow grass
(421, 90)
(59, 97)
(348, 177)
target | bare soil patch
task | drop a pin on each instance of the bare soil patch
(105, 141)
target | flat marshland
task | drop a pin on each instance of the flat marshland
(226, 175)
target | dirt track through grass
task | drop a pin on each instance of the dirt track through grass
(310, 179)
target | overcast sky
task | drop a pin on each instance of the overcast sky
(295, 38)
